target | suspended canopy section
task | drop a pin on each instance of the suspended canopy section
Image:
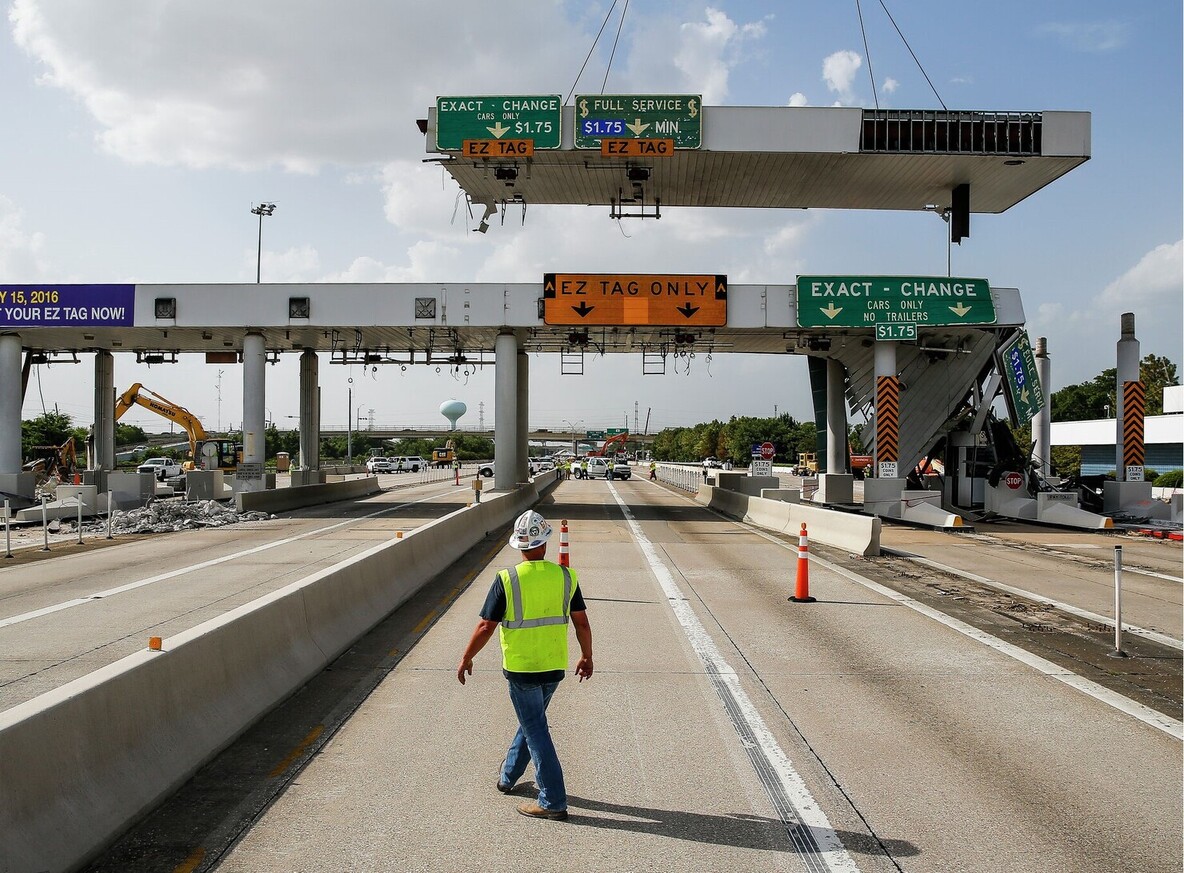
(745, 156)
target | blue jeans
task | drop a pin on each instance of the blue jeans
(533, 742)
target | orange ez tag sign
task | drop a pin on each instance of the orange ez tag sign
(636, 148)
(497, 148)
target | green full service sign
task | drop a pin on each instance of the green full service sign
(524, 116)
(1023, 380)
(677, 117)
(868, 301)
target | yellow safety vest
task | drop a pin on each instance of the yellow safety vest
(538, 604)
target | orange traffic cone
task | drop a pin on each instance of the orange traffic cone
(801, 592)
(564, 557)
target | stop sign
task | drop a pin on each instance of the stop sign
(1013, 480)
(767, 451)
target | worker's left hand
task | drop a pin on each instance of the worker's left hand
(465, 667)
(584, 668)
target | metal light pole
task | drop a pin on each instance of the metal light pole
(261, 210)
(349, 424)
(572, 428)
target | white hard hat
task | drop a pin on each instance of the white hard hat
(531, 530)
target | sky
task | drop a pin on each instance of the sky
(139, 134)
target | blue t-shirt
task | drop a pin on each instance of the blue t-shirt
(495, 610)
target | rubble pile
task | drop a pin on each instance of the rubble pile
(162, 516)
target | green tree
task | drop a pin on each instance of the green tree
(49, 429)
(1156, 374)
(129, 435)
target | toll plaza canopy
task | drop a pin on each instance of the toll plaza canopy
(622, 152)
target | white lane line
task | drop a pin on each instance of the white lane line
(172, 574)
(806, 823)
(1145, 714)
(1162, 639)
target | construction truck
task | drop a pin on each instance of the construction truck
(444, 457)
(807, 464)
(205, 452)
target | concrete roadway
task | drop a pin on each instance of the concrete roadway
(725, 729)
(92, 604)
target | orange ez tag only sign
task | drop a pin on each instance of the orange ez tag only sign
(497, 148)
(637, 148)
(635, 299)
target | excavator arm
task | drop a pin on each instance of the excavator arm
(138, 395)
(617, 440)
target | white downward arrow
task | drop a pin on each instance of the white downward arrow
(497, 130)
(637, 127)
(959, 310)
(830, 311)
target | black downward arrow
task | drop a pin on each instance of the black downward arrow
(583, 309)
(688, 310)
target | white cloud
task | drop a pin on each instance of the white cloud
(22, 254)
(709, 49)
(839, 70)
(1157, 280)
(890, 85)
(229, 85)
(1089, 36)
(797, 98)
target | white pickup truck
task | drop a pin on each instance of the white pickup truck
(163, 468)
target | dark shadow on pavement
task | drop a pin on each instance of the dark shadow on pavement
(741, 831)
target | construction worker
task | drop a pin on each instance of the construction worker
(584, 468)
(653, 470)
(532, 603)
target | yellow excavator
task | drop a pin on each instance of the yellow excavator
(54, 462)
(205, 452)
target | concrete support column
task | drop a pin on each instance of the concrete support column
(103, 434)
(1042, 420)
(310, 410)
(836, 418)
(1128, 371)
(885, 364)
(523, 469)
(10, 403)
(254, 406)
(505, 411)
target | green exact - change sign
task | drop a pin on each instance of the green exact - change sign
(533, 117)
(867, 301)
(678, 117)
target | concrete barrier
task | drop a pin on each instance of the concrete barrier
(297, 496)
(80, 764)
(852, 532)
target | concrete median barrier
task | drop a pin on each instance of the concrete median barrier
(282, 499)
(852, 532)
(80, 764)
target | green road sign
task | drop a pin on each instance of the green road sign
(533, 117)
(613, 431)
(1023, 381)
(893, 332)
(865, 301)
(595, 435)
(678, 117)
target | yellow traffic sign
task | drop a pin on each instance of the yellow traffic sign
(678, 300)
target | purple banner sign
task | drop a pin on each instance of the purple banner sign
(67, 305)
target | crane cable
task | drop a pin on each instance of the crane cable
(603, 24)
(913, 54)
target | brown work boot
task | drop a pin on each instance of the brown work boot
(535, 811)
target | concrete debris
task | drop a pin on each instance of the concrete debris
(162, 516)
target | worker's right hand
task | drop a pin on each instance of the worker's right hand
(465, 667)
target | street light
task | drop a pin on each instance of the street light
(261, 210)
(572, 428)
